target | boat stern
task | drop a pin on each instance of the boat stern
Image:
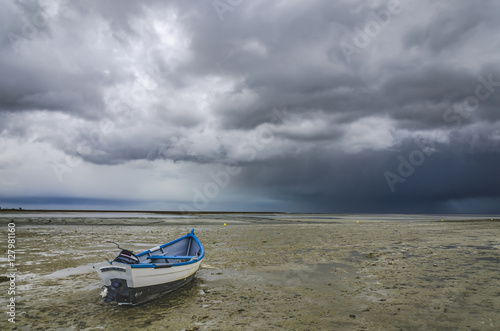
(117, 281)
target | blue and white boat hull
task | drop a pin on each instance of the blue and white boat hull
(159, 270)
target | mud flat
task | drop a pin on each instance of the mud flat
(289, 274)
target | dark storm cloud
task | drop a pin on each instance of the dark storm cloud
(445, 182)
(268, 86)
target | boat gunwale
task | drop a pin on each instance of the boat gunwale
(154, 265)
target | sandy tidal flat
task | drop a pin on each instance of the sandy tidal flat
(284, 275)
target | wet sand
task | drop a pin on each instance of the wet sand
(283, 273)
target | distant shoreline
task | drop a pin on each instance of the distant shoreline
(136, 217)
(167, 212)
(201, 212)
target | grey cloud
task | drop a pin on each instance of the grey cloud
(450, 25)
(118, 82)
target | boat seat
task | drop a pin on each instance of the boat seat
(170, 257)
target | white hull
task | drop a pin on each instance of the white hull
(141, 277)
(131, 278)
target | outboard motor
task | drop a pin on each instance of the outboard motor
(127, 257)
(117, 290)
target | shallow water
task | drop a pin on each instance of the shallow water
(286, 276)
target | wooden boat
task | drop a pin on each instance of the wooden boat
(130, 279)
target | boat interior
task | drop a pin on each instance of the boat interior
(184, 249)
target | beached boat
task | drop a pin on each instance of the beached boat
(130, 279)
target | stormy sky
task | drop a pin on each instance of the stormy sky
(239, 105)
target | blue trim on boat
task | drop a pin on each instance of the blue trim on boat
(152, 265)
(142, 253)
(143, 265)
(184, 263)
(170, 257)
(176, 240)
